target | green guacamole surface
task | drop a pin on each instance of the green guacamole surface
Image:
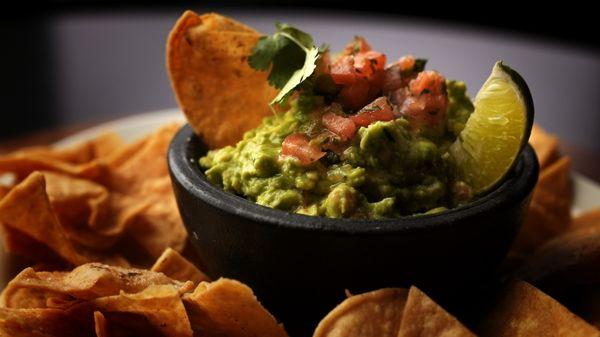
(386, 171)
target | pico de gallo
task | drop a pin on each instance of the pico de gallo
(360, 138)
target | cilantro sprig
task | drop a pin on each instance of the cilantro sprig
(291, 55)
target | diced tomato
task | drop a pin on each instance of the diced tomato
(357, 45)
(428, 82)
(343, 71)
(355, 95)
(392, 79)
(376, 83)
(298, 145)
(369, 62)
(406, 63)
(378, 110)
(343, 127)
(427, 103)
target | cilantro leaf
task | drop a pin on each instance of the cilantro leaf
(291, 55)
(299, 75)
(419, 65)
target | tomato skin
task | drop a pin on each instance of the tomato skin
(428, 82)
(360, 72)
(406, 63)
(356, 95)
(427, 102)
(343, 71)
(378, 110)
(343, 127)
(369, 62)
(298, 145)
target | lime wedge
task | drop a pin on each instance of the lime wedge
(495, 134)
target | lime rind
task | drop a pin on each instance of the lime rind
(497, 131)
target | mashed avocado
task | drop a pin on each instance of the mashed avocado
(389, 168)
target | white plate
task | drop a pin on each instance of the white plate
(587, 192)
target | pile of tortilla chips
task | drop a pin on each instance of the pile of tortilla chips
(550, 209)
(100, 300)
(98, 201)
(520, 310)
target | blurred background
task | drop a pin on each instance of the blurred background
(71, 64)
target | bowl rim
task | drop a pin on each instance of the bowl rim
(184, 170)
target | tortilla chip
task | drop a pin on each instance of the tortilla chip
(144, 162)
(589, 218)
(100, 325)
(545, 146)
(377, 313)
(80, 160)
(27, 209)
(572, 258)
(37, 323)
(424, 318)
(550, 210)
(160, 304)
(229, 308)
(221, 96)
(126, 209)
(23, 164)
(157, 226)
(525, 311)
(86, 282)
(177, 267)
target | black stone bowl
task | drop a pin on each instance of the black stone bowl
(300, 265)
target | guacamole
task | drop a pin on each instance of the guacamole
(354, 142)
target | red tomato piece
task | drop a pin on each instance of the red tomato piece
(368, 62)
(357, 45)
(355, 95)
(343, 127)
(406, 63)
(428, 82)
(343, 71)
(378, 110)
(298, 145)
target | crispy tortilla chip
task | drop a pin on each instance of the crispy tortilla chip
(100, 325)
(572, 258)
(374, 314)
(550, 210)
(143, 162)
(23, 164)
(525, 311)
(589, 218)
(229, 308)
(27, 209)
(87, 212)
(85, 282)
(81, 160)
(177, 267)
(160, 304)
(127, 209)
(423, 317)
(213, 83)
(545, 146)
(37, 323)
(157, 226)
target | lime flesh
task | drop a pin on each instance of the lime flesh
(495, 134)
